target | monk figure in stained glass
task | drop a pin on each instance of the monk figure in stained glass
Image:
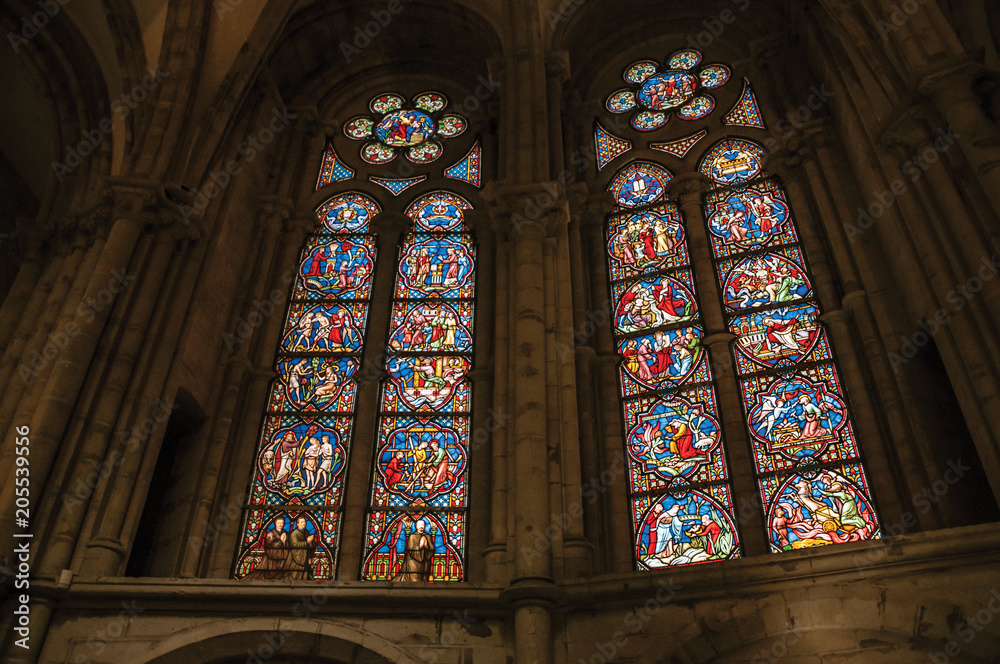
(418, 555)
(275, 548)
(301, 546)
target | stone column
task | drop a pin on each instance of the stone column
(612, 509)
(52, 413)
(111, 440)
(531, 587)
(950, 91)
(241, 440)
(260, 272)
(495, 555)
(689, 191)
(485, 420)
(391, 229)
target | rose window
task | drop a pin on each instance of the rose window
(416, 128)
(679, 86)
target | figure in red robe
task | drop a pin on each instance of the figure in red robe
(683, 441)
(650, 523)
(711, 531)
(318, 266)
(394, 470)
(666, 301)
(648, 248)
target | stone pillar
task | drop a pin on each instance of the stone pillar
(612, 510)
(391, 229)
(259, 273)
(495, 555)
(532, 581)
(689, 191)
(52, 413)
(485, 419)
(111, 441)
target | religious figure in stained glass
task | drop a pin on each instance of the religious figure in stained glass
(673, 438)
(796, 410)
(678, 87)
(682, 529)
(817, 509)
(305, 440)
(416, 523)
(415, 128)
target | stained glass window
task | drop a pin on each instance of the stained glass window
(291, 523)
(807, 461)
(416, 128)
(418, 502)
(678, 477)
(678, 87)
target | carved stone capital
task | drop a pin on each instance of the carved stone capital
(273, 213)
(527, 212)
(557, 65)
(689, 188)
(951, 81)
(390, 225)
(907, 128)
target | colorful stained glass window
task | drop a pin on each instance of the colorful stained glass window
(332, 169)
(470, 168)
(681, 146)
(609, 147)
(678, 478)
(292, 520)
(416, 526)
(806, 456)
(746, 112)
(416, 128)
(678, 86)
(396, 187)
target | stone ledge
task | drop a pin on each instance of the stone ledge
(847, 563)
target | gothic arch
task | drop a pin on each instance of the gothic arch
(226, 641)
